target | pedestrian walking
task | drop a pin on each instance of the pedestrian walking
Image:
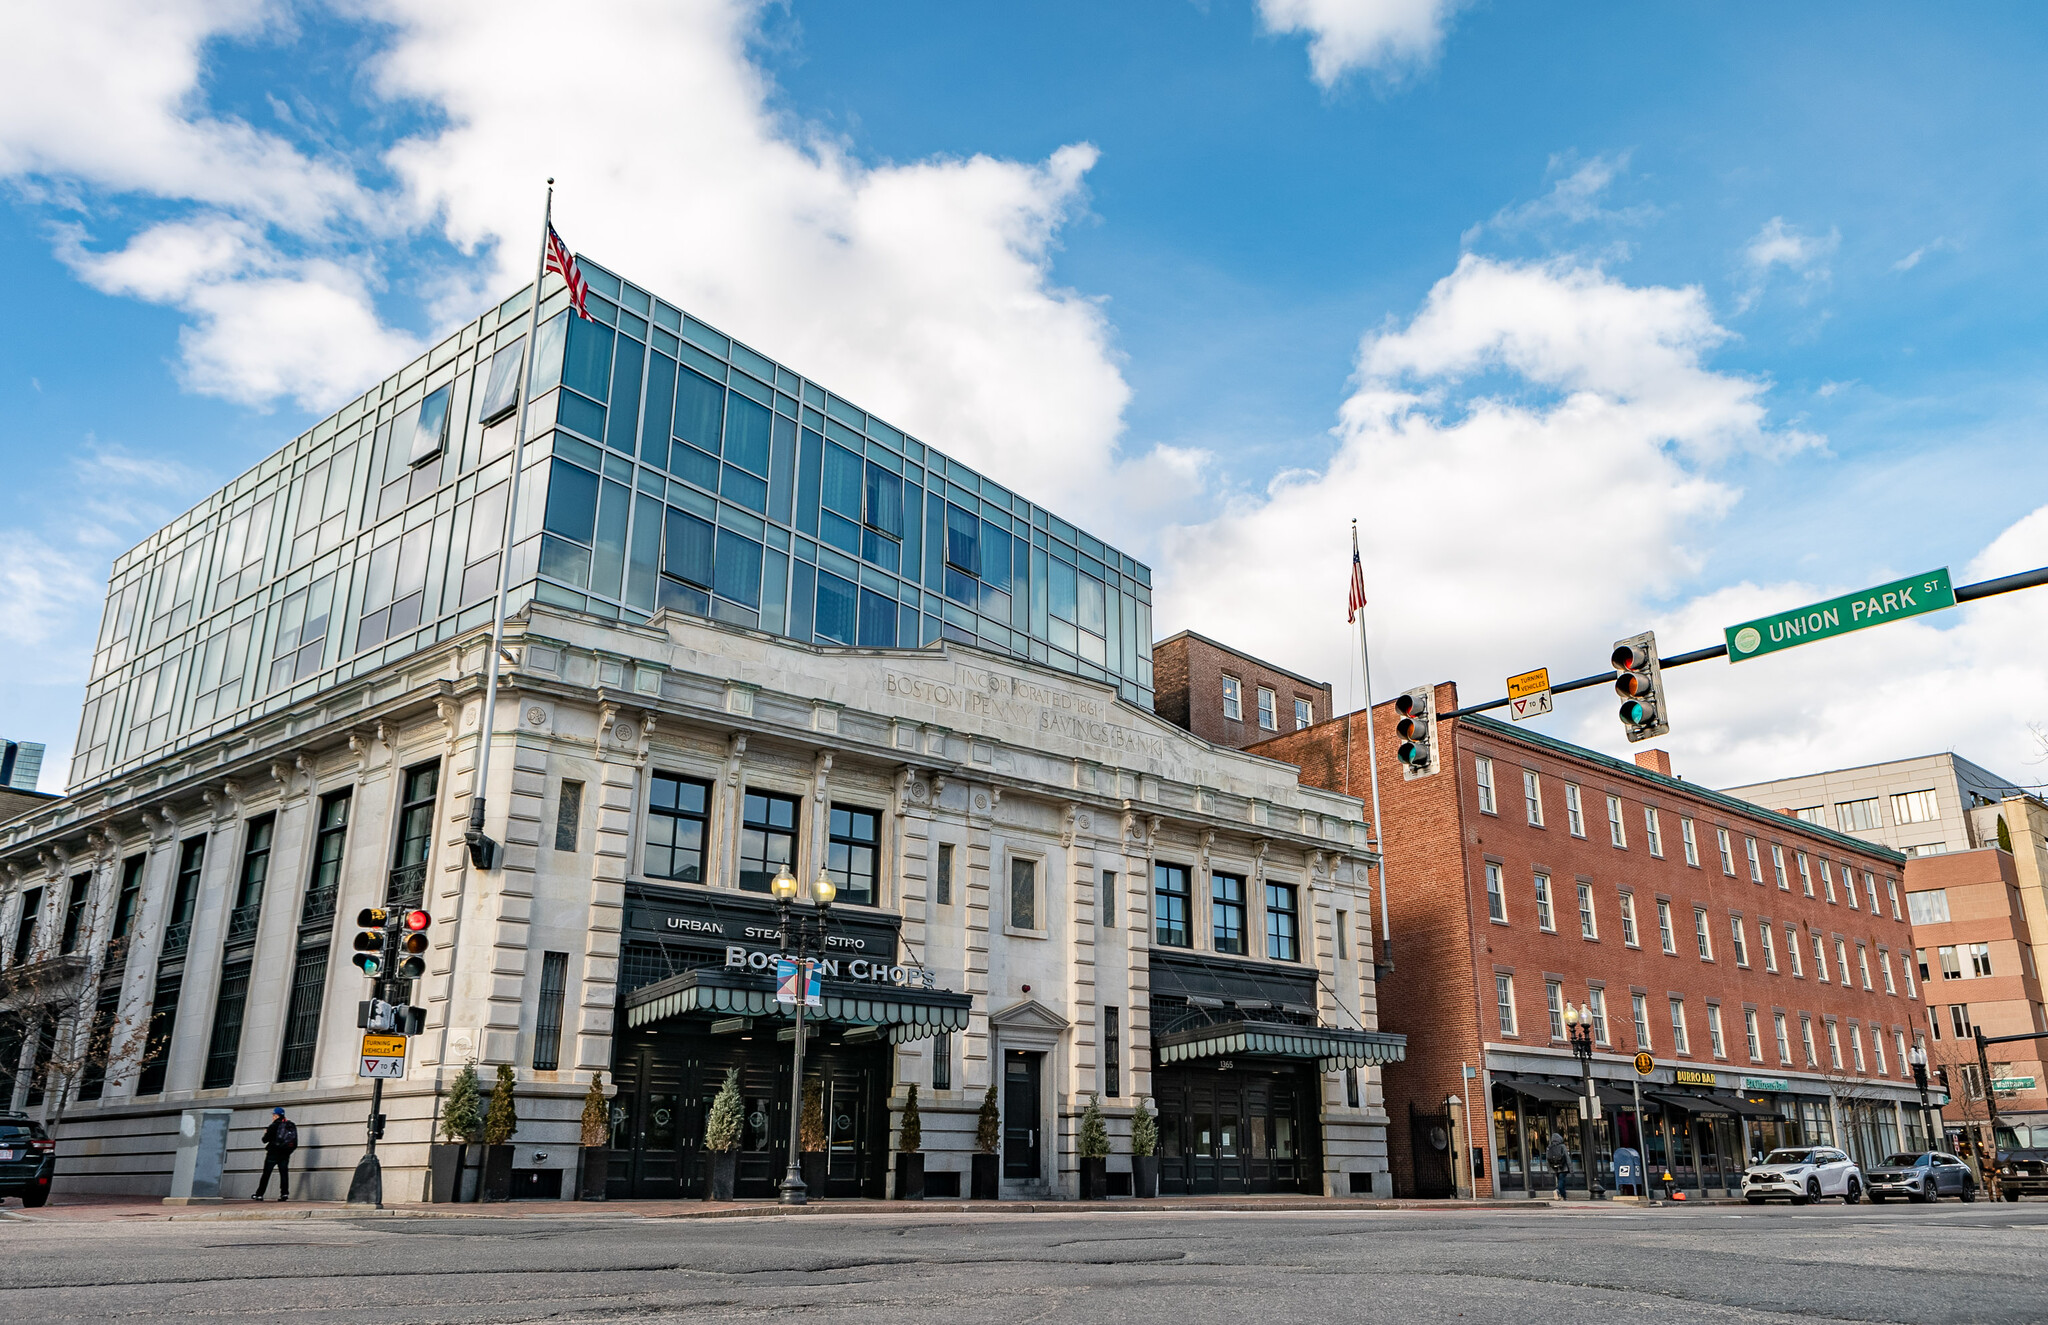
(1560, 1162)
(280, 1139)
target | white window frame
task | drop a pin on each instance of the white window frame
(1727, 845)
(1546, 915)
(1980, 960)
(1589, 924)
(1715, 1040)
(1689, 835)
(1842, 961)
(1574, 810)
(1870, 889)
(1784, 1035)
(1805, 872)
(1806, 1040)
(1849, 885)
(1628, 920)
(1891, 887)
(1763, 929)
(1740, 940)
(1532, 796)
(1269, 710)
(1496, 895)
(1681, 1043)
(1504, 1002)
(1877, 1050)
(1702, 933)
(1667, 939)
(1596, 1003)
(1792, 951)
(1820, 957)
(1304, 714)
(1863, 966)
(1827, 880)
(1856, 1049)
(1233, 698)
(1834, 1044)
(1756, 860)
(1778, 867)
(1482, 771)
(1617, 828)
(1884, 966)
(1553, 995)
(1639, 1007)
(1753, 1034)
(1653, 831)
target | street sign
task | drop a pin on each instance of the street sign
(1645, 1065)
(2007, 1085)
(1692, 1076)
(1838, 616)
(375, 1066)
(1529, 694)
(383, 1046)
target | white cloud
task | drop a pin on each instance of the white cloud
(1781, 245)
(1912, 260)
(1575, 198)
(1386, 37)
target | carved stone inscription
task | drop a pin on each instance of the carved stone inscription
(1029, 705)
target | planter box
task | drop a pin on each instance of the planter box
(1145, 1177)
(596, 1171)
(446, 1167)
(987, 1178)
(812, 1165)
(910, 1177)
(497, 1178)
(1094, 1179)
(719, 1171)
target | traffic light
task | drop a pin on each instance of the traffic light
(1640, 683)
(1416, 726)
(412, 944)
(369, 947)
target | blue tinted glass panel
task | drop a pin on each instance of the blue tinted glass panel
(963, 540)
(803, 594)
(705, 336)
(1021, 588)
(836, 609)
(934, 541)
(625, 398)
(660, 412)
(610, 561)
(688, 553)
(700, 410)
(840, 533)
(843, 472)
(1038, 586)
(747, 435)
(994, 602)
(913, 528)
(759, 365)
(906, 627)
(884, 552)
(884, 501)
(809, 465)
(565, 562)
(1091, 604)
(962, 588)
(600, 281)
(782, 470)
(995, 561)
(587, 364)
(547, 363)
(845, 413)
(742, 487)
(739, 568)
(774, 583)
(688, 463)
(1063, 591)
(747, 386)
(877, 621)
(682, 598)
(586, 417)
(572, 502)
(646, 558)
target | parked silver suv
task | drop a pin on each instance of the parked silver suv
(1804, 1173)
(1925, 1176)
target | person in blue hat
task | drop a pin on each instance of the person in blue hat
(280, 1139)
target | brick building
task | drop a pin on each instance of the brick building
(1231, 698)
(1762, 961)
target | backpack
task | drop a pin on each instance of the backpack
(287, 1134)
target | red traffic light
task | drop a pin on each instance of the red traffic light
(1407, 704)
(1630, 657)
(372, 917)
(417, 920)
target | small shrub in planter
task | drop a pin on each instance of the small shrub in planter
(988, 1140)
(1094, 1151)
(722, 1138)
(597, 1136)
(462, 1125)
(499, 1124)
(1144, 1159)
(811, 1139)
(909, 1159)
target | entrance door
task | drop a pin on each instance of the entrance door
(651, 1144)
(1021, 1153)
(1429, 1147)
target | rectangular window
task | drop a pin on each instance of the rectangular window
(1827, 880)
(1908, 970)
(1749, 1030)
(767, 838)
(1628, 919)
(1980, 959)
(1504, 1002)
(1596, 1003)
(1849, 885)
(1792, 952)
(1664, 935)
(323, 890)
(1934, 1020)
(163, 1025)
(1727, 852)
(1764, 932)
(677, 814)
(1653, 831)
(1928, 908)
(1863, 964)
(407, 884)
(74, 913)
(129, 902)
(1951, 964)
(1812, 814)
(1857, 816)
(1856, 1047)
(1870, 889)
(1269, 710)
(1112, 1052)
(1834, 1046)
(1109, 902)
(1226, 912)
(942, 1060)
(1639, 1005)
(255, 872)
(1679, 1043)
(1532, 797)
(853, 856)
(1588, 929)
(1304, 714)
(1756, 864)
(1700, 935)
(1691, 838)
(568, 815)
(1544, 920)
(225, 1044)
(943, 887)
(1806, 1040)
(1891, 888)
(1784, 1040)
(1877, 1049)
(1574, 811)
(1023, 893)
(1735, 937)
(1233, 706)
(1553, 994)
(1170, 906)
(1820, 960)
(1617, 832)
(1342, 930)
(1714, 1040)
(1805, 873)
(25, 925)
(1884, 968)
(302, 1010)
(1283, 926)
(1496, 900)
(1483, 771)
(547, 1017)
(1914, 807)
(1778, 867)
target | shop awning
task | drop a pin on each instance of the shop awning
(1333, 1048)
(905, 1013)
(1702, 1103)
(1745, 1108)
(1543, 1092)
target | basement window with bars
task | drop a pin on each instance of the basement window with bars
(547, 1024)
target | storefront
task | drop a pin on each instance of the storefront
(699, 1000)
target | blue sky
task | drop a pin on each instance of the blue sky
(1597, 319)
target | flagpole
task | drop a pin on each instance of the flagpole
(1372, 756)
(483, 851)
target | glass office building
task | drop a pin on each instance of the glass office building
(668, 467)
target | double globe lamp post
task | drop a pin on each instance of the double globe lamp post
(809, 932)
(1578, 1028)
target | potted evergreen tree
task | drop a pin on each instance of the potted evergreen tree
(500, 1122)
(811, 1139)
(722, 1128)
(597, 1142)
(462, 1126)
(1144, 1153)
(988, 1142)
(1094, 1151)
(910, 1153)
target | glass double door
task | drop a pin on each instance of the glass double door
(1235, 1131)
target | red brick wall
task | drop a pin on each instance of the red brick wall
(1187, 689)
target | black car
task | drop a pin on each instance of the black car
(2023, 1173)
(28, 1159)
(1926, 1176)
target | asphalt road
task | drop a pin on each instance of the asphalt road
(1902, 1263)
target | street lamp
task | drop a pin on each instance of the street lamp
(1918, 1058)
(1578, 1028)
(807, 930)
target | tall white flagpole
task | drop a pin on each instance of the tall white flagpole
(1372, 756)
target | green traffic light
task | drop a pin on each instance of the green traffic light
(1636, 713)
(372, 965)
(1412, 753)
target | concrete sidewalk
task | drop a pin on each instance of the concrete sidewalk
(79, 1209)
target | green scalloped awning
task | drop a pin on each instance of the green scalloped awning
(1333, 1049)
(907, 1014)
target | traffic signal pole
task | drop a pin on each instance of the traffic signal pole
(367, 1186)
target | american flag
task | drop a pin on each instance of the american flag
(563, 264)
(1357, 581)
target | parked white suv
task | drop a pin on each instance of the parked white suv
(1802, 1174)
